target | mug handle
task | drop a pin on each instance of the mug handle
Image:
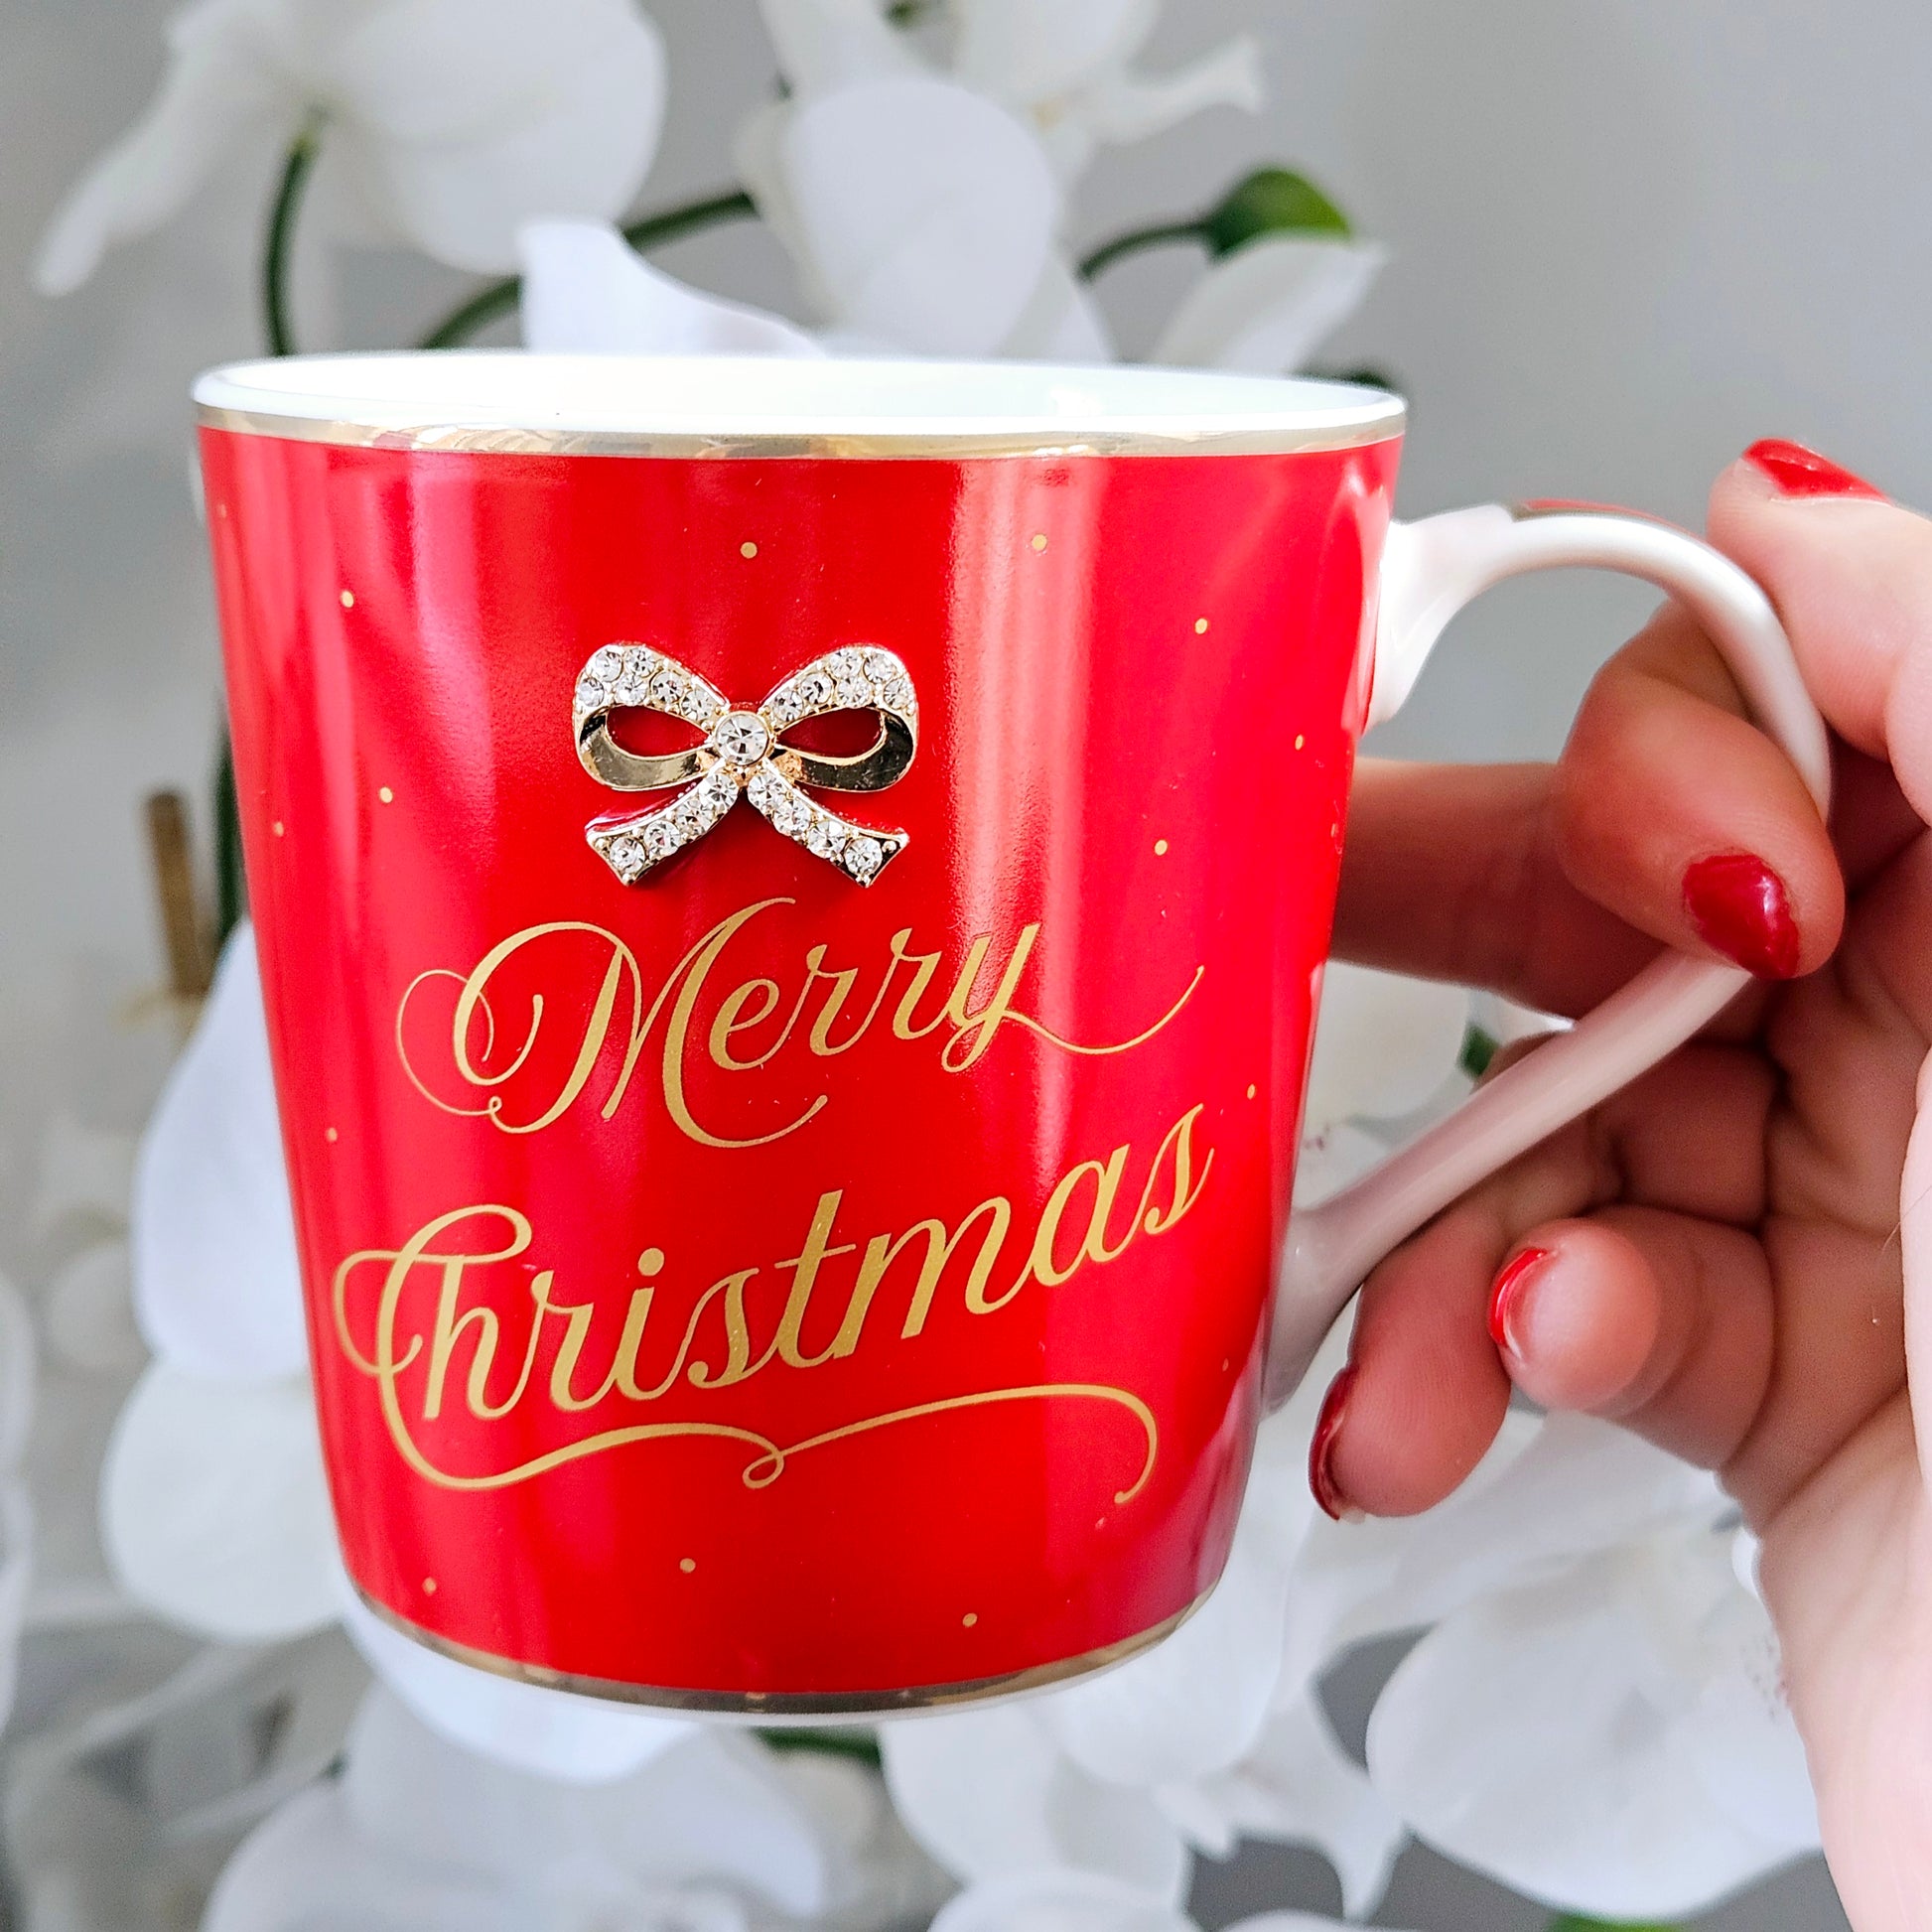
(1430, 571)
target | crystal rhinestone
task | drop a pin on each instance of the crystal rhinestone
(897, 694)
(634, 683)
(626, 855)
(604, 664)
(880, 665)
(590, 693)
(863, 857)
(742, 737)
(824, 838)
(660, 839)
(855, 694)
(816, 690)
(763, 788)
(781, 708)
(666, 690)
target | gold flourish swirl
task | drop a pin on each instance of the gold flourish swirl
(772, 1459)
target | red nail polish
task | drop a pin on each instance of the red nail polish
(1506, 1297)
(1322, 1449)
(1799, 472)
(1738, 905)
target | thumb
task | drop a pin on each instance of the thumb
(1851, 574)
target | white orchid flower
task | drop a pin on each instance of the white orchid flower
(920, 213)
(1603, 1729)
(1069, 68)
(716, 1833)
(447, 123)
(1076, 1902)
(1594, 1717)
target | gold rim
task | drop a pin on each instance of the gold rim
(778, 1707)
(469, 439)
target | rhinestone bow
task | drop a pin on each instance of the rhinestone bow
(743, 754)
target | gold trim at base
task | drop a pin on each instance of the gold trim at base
(787, 1706)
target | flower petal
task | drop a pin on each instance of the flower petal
(586, 289)
(1061, 322)
(463, 119)
(1297, 1786)
(1058, 1901)
(211, 97)
(925, 212)
(1740, 1734)
(1584, 1798)
(709, 1809)
(525, 1727)
(307, 1867)
(987, 1793)
(1268, 305)
(1549, 1495)
(826, 43)
(213, 1506)
(1123, 106)
(1021, 51)
(217, 1290)
(1383, 1045)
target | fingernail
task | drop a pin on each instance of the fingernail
(1506, 1298)
(1739, 907)
(1322, 1450)
(1799, 472)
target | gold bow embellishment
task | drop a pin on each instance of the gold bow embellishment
(743, 754)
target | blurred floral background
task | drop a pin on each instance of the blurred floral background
(1602, 249)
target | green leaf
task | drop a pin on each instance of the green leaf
(851, 1743)
(1605, 1925)
(1271, 201)
(1479, 1050)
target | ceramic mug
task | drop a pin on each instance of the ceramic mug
(791, 898)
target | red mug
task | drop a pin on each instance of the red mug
(792, 900)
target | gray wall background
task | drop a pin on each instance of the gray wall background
(1629, 237)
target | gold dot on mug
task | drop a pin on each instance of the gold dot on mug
(1159, 847)
(650, 1261)
(429, 1585)
(279, 829)
(1299, 741)
(349, 600)
(387, 797)
(1251, 1092)
(1200, 627)
(688, 1564)
(1039, 539)
(329, 1135)
(747, 550)
(970, 1618)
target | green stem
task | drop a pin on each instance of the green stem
(280, 246)
(499, 297)
(230, 889)
(859, 1745)
(1137, 240)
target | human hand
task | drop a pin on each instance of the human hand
(1718, 1257)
